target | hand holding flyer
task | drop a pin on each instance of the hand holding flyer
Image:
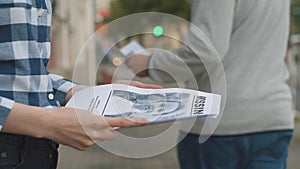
(155, 105)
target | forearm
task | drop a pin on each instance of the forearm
(180, 64)
(27, 120)
(72, 127)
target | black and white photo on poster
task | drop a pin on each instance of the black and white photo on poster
(156, 106)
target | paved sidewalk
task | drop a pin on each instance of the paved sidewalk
(96, 158)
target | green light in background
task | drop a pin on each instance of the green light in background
(158, 31)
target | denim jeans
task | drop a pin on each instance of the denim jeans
(24, 152)
(266, 150)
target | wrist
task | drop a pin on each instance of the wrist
(48, 123)
(72, 91)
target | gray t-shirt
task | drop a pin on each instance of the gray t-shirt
(251, 38)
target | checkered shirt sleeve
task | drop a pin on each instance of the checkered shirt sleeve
(24, 54)
(61, 86)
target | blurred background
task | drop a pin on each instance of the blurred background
(75, 21)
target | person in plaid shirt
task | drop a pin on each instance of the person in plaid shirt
(31, 119)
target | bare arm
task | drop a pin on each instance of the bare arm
(79, 129)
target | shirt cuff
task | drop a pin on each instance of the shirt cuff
(61, 87)
(61, 92)
(5, 107)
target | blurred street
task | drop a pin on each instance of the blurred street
(96, 158)
(69, 36)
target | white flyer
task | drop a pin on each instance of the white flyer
(133, 47)
(155, 105)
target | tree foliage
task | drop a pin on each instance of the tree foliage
(121, 8)
(295, 16)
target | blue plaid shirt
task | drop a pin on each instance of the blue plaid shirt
(24, 54)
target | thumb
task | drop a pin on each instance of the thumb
(125, 122)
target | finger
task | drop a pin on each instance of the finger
(124, 122)
(143, 85)
(139, 84)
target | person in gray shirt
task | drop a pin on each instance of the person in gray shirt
(251, 38)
